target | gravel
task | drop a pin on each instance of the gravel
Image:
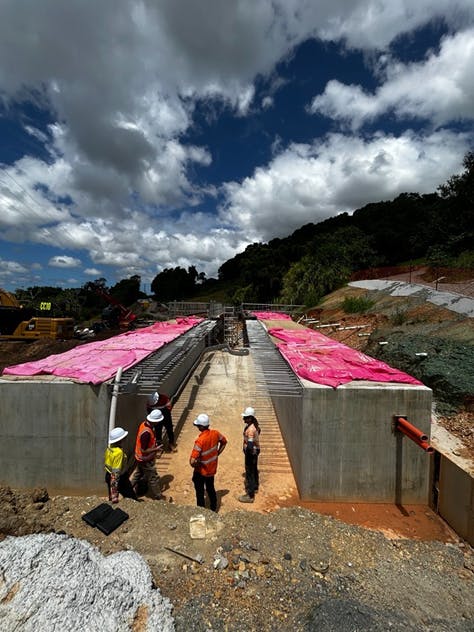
(292, 569)
(52, 582)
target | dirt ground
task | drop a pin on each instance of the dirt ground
(277, 564)
(394, 329)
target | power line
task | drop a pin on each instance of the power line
(5, 172)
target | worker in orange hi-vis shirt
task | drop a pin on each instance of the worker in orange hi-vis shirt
(204, 457)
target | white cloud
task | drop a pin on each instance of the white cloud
(11, 268)
(92, 272)
(122, 79)
(439, 89)
(63, 261)
(309, 183)
(267, 102)
(372, 24)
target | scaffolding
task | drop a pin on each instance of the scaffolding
(232, 328)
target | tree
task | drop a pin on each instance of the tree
(127, 291)
(461, 186)
(308, 280)
(350, 246)
(174, 283)
(458, 219)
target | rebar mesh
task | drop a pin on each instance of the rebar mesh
(273, 375)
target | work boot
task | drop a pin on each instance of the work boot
(245, 499)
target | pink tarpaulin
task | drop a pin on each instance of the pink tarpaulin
(325, 361)
(97, 362)
(271, 316)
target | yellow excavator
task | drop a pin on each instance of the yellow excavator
(21, 323)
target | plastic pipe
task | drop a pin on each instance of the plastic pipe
(414, 433)
(426, 446)
(404, 424)
(113, 403)
(423, 443)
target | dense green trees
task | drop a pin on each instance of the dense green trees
(127, 291)
(327, 264)
(175, 283)
(316, 258)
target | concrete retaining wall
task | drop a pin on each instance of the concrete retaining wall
(342, 446)
(456, 498)
(54, 432)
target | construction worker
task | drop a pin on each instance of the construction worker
(160, 401)
(116, 466)
(251, 448)
(204, 456)
(147, 449)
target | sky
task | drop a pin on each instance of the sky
(148, 134)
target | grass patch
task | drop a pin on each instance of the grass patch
(399, 317)
(357, 304)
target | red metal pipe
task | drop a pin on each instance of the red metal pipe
(413, 433)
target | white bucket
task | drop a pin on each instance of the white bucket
(197, 527)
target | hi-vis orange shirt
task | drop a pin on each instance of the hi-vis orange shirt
(149, 441)
(205, 451)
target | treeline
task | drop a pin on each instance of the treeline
(318, 258)
(81, 303)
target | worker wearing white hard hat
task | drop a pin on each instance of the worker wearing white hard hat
(147, 450)
(116, 467)
(251, 448)
(162, 402)
(204, 458)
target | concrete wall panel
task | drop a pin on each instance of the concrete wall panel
(456, 499)
(53, 433)
(342, 446)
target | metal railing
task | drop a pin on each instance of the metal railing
(271, 307)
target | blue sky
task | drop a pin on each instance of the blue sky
(141, 135)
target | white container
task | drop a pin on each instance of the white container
(197, 527)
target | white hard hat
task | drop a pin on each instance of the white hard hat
(155, 416)
(249, 412)
(201, 420)
(117, 434)
(153, 399)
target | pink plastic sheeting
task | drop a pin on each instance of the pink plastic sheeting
(271, 316)
(325, 361)
(97, 362)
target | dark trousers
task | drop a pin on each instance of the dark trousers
(124, 486)
(251, 473)
(201, 482)
(167, 424)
